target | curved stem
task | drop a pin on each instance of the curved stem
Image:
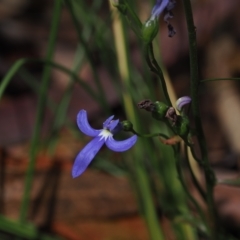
(194, 155)
(195, 181)
(21, 62)
(154, 67)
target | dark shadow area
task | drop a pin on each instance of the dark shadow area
(47, 196)
(2, 177)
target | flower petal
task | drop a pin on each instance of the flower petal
(113, 124)
(87, 154)
(84, 126)
(117, 128)
(159, 7)
(105, 124)
(182, 101)
(120, 146)
(171, 5)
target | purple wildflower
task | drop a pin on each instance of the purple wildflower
(164, 6)
(105, 135)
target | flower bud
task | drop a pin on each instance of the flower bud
(127, 126)
(159, 110)
(150, 30)
(182, 126)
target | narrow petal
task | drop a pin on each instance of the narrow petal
(159, 7)
(84, 126)
(121, 146)
(105, 124)
(182, 101)
(113, 124)
(85, 157)
(117, 128)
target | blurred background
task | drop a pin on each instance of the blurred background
(101, 204)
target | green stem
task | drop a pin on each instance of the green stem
(60, 112)
(149, 135)
(40, 111)
(9, 75)
(186, 189)
(195, 181)
(131, 17)
(208, 172)
(134, 15)
(218, 79)
(194, 155)
(149, 210)
(21, 62)
(21, 231)
(154, 67)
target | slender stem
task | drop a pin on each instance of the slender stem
(154, 67)
(134, 15)
(195, 181)
(194, 79)
(149, 135)
(208, 172)
(21, 62)
(130, 15)
(86, 48)
(218, 79)
(40, 111)
(60, 112)
(186, 189)
(194, 155)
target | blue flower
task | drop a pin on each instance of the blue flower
(105, 135)
(164, 6)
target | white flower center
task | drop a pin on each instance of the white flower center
(105, 134)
